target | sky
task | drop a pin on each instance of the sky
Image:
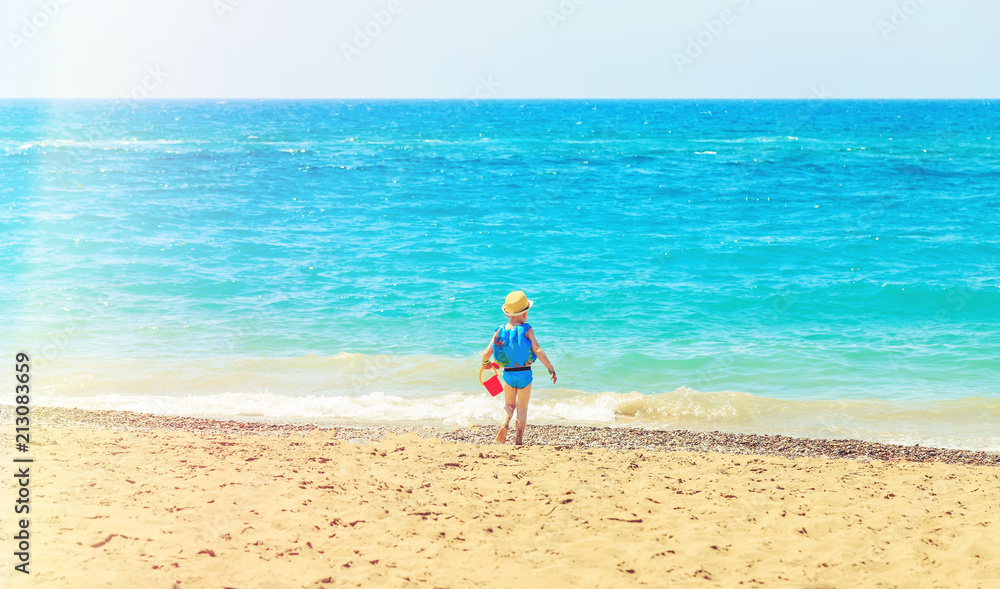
(500, 49)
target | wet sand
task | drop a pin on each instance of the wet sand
(125, 499)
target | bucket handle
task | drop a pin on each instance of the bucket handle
(492, 365)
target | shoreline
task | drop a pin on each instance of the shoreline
(620, 439)
(128, 499)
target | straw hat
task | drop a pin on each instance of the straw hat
(516, 303)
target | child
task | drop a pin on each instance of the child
(515, 348)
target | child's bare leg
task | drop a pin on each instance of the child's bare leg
(522, 414)
(509, 398)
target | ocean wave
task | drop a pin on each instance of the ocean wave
(359, 389)
(103, 144)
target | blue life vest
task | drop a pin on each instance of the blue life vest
(512, 348)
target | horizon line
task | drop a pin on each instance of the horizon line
(491, 99)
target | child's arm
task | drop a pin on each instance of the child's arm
(489, 350)
(537, 349)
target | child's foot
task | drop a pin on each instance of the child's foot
(502, 434)
(518, 441)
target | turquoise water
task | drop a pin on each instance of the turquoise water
(823, 268)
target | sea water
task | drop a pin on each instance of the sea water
(823, 268)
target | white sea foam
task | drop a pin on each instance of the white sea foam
(429, 390)
(967, 423)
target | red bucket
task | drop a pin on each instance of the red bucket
(492, 384)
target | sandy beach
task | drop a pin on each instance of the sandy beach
(136, 500)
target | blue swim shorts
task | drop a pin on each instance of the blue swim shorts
(518, 379)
